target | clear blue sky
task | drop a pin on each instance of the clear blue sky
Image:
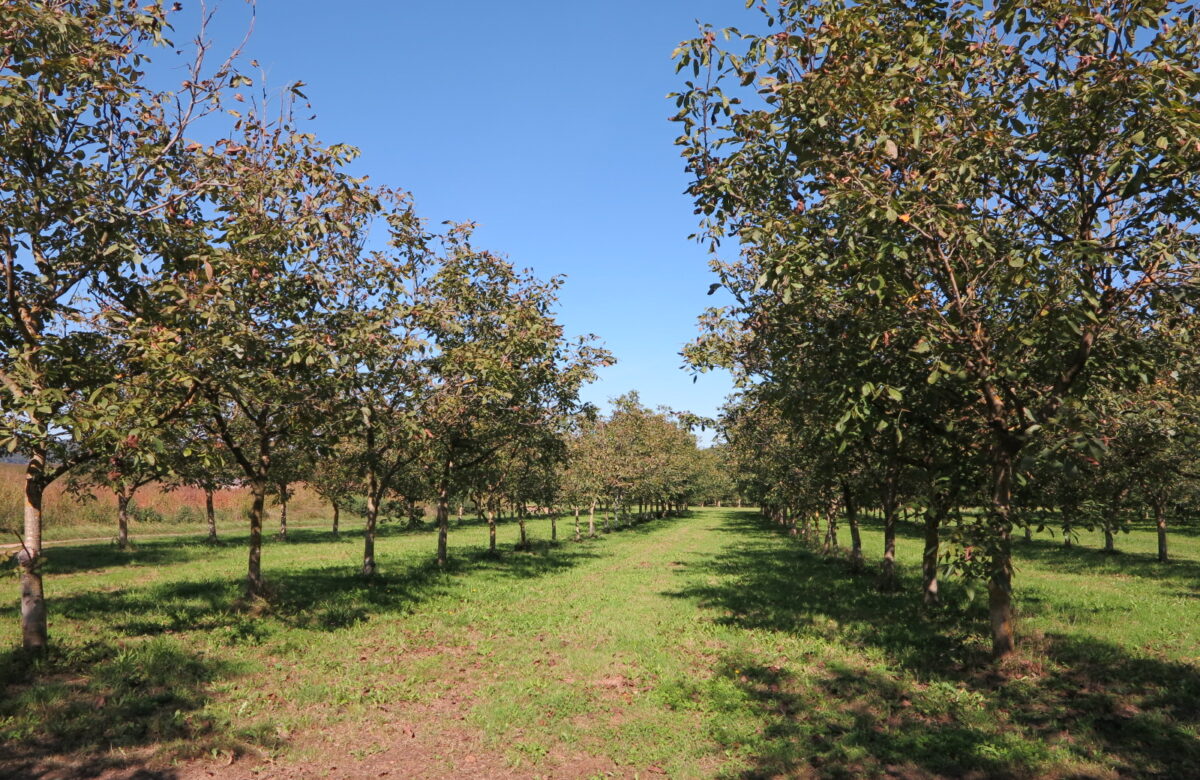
(544, 122)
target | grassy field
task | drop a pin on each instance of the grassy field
(707, 646)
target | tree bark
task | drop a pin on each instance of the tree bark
(369, 567)
(255, 587)
(831, 540)
(592, 519)
(443, 514)
(1110, 545)
(929, 559)
(888, 569)
(283, 502)
(123, 496)
(34, 634)
(1160, 524)
(1000, 609)
(553, 526)
(856, 553)
(524, 543)
(337, 517)
(211, 514)
(491, 521)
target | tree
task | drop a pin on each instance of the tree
(91, 203)
(1015, 188)
(248, 325)
(335, 477)
(500, 366)
(375, 346)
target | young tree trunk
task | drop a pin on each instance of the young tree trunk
(491, 521)
(369, 567)
(577, 536)
(1160, 523)
(553, 526)
(123, 496)
(1000, 609)
(929, 560)
(888, 570)
(34, 636)
(592, 519)
(255, 587)
(831, 540)
(443, 513)
(460, 513)
(211, 514)
(856, 553)
(524, 543)
(283, 502)
(1110, 545)
(337, 517)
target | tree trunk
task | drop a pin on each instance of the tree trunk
(1110, 545)
(888, 569)
(1067, 516)
(443, 514)
(123, 496)
(1000, 609)
(856, 553)
(369, 566)
(554, 526)
(283, 502)
(929, 559)
(524, 543)
(460, 513)
(211, 514)
(592, 519)
(831, 540)
(34, 636)
(1160, 523)
(337, 517)
(491, 522)
(255, 587)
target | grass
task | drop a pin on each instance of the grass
(696, 647)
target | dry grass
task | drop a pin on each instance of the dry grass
(93, 513)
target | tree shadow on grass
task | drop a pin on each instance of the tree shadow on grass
(1086, 560)
(1070, 705)
(83, 711)
(328, 597)
(92, 557)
